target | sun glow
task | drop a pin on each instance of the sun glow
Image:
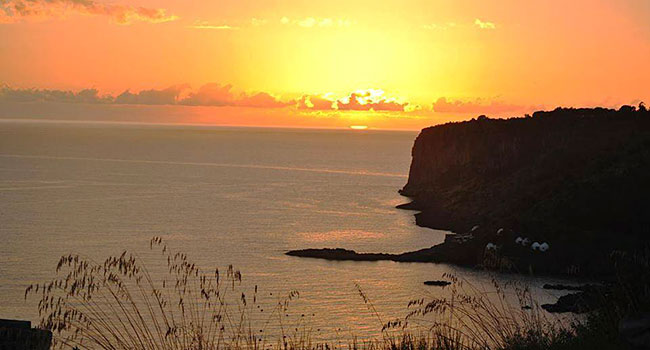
(399, 64)
(358, 127)
(368, 96)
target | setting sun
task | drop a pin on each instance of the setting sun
(358, 127)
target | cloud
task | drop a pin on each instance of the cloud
(214, 94)
(257, 22)
(442, 105)
(260, 100)
(8, 94)
(207, 95)
(207, 25)
(311, 22)
(437, 26)
(167, 96)
(371, 99)
(355, 103)
(210, 95)
(16, 10)
(307, 22)
(484, 25)
(360, 100)
(316, 102)
(254, 22)
(453, 25)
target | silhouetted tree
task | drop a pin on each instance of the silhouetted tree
(627, 109)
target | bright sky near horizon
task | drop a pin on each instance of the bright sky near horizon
(392, 64)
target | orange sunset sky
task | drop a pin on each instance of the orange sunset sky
(386, 64)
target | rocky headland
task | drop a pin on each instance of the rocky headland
(555, 192)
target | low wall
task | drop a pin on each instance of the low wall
(19, 335)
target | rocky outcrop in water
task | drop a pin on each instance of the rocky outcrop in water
(588, 298)
(467, 249)
(437, 283)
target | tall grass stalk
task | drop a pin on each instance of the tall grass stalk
(470, 317)
(117, 304)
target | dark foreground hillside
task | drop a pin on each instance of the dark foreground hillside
(578, 179)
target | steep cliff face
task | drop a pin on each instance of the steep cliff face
(576, 176)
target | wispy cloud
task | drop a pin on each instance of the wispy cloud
(219, 95)
(207, 95)
(306, 22)
(316, 102)
(312, 22)
(360, 100)
(370, 99)
(480, 106)
(484, 25)
(208, 25)
(453, 25)
(19, 10)
(168, 96)
(258, 22)
(439, 26)
(214, 94)
(8, 94)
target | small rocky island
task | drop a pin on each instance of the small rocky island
(555, 192)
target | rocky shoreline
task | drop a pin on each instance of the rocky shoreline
(477, 249)
(453, 250)
(480, 247)
(542, 194)
(554, 193)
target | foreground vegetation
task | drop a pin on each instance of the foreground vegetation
(120, 304)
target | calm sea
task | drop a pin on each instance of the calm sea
(240, 196)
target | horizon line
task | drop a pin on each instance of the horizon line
(201, 125)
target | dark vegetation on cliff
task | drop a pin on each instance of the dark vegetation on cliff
(578, 179)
